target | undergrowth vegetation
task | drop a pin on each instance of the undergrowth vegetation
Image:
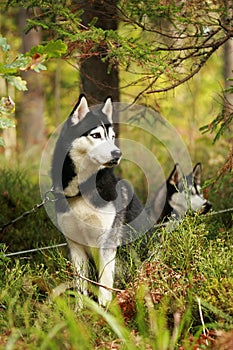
(179, 296)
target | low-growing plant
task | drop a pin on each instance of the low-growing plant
(176, 285)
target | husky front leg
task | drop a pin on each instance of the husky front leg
(79, 259)
(107, 257)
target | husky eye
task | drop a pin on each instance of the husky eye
(111, 135)
(96, 135)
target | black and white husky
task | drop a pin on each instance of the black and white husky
(179, 194)
(95, 211)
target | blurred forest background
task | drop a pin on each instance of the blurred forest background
(174, 56)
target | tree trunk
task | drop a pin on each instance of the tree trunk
(228, 74)
(228, 60)
(98, 80)
(31, 106)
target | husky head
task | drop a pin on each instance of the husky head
(86, 144)
(188, 194)
(179, 194)
(95, 136)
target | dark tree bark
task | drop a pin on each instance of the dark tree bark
(228, 74)
(30, 112)
(98, 80)
(228, 59)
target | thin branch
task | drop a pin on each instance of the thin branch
(194, 72)
(61, 288)
(97, 283)
(202, 319)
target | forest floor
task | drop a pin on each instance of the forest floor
(177, 294)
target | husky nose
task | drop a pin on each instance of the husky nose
(206, 208)
(116, 154)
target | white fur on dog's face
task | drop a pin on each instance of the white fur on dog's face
(191, 199)
(102, 143)
(97, 146)
(189, 194)
(197, 199)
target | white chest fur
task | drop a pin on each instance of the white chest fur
(88, 225)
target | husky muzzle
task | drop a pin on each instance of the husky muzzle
(206, 208)
(116, 157)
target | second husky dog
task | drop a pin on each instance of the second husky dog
(95, 211)
(179, 194)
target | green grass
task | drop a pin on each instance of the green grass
(17, 195)
(175, 299)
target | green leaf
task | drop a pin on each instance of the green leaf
(33, 23)
(20, 62)
(6, 123)
(37, 68)
(53, 49)
(17, 82)
(7, 69)
(39, 49)
(3, 43)
(114, 322)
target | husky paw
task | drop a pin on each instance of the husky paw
(105, 297)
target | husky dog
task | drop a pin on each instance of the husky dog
(179, 194)
(95, 210)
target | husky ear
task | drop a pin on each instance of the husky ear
(107, 109)
(176, 175)
(197, 170)
(79, 111)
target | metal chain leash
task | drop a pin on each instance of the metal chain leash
(46, 200)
